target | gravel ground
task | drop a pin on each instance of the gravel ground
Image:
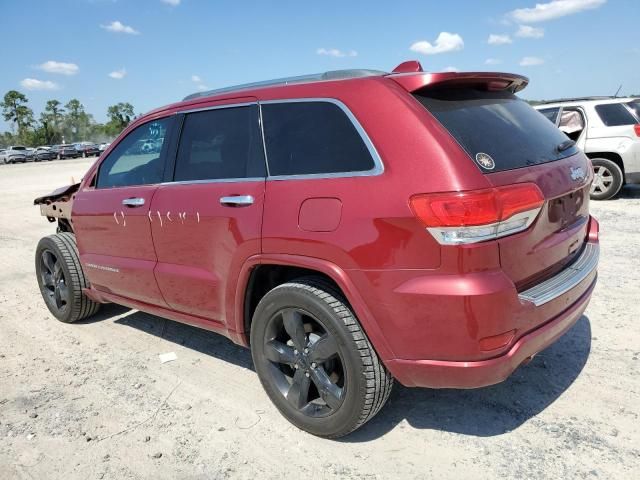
(92, 400)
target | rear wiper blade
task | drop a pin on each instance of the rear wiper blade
(565, 145)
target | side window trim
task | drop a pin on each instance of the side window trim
(378, 166)
(163, 152)
(175, 144)
(377, 169)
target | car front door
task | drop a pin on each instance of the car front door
(207, 221)
(111, 216)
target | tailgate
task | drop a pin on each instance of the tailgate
(558, 233)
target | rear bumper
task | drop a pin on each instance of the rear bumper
(475, 374)
(449, 374)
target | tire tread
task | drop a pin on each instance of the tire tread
(379, 381)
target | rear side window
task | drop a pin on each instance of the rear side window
(615, 115)
(222, 143)
(550, 113)
(305, 138)
(136, 160)
(497, 124)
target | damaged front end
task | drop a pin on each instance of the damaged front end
(56, 206)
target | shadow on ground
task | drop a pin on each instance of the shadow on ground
(481, 412)
(629, 191)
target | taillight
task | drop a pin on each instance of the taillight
(475, 216)
(636, 128)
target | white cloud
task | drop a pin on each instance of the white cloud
(118, 74)
(196, 79)
(552, 10)
(34, 84)
(52, 66)
(173, 3)
(334, 52)
(452, 69)
(446, 42)
(526, 31)
(492, 61)
(495, 39)
(119, 27)
(531, 61)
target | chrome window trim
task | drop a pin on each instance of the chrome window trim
(378, 166)
(217, 107)
(565, 280)
(214, 180)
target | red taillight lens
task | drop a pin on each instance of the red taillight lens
(636, 128)
(479, 207)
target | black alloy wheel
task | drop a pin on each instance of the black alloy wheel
(305, 364)
(55, 289)
(315, 361)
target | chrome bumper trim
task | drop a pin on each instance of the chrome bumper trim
(567, 279)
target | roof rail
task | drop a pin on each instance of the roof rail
(578, 99)
(314, 77)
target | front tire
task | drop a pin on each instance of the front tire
(607, 180)
(61, 279)
(315, 361)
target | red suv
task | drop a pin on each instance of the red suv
(352, 228)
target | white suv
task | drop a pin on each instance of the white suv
(608, 130)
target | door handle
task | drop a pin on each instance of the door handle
(237, 201)
(133, 202)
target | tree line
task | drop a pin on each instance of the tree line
(59, 123)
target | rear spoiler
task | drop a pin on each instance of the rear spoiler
(413, 81)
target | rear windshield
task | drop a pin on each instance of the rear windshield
(497, 124)
(615, 115)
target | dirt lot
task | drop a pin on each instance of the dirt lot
(92, 400)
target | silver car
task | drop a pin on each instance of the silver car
(14, 154)
(608, 130)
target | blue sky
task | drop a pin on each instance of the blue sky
(161, 50)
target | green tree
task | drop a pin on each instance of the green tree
(51, 123)
(120, 116)
(77, 123)
(15, 110)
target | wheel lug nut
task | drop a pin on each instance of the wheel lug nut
(295, 352)
(307, 374)
(313, 365)
(296, 366)
(306, 350)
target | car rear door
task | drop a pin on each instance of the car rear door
(207, 221)
(111, 216)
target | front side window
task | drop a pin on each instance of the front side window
(222, 143)
(137, 159)
(304, 138)
(615, 115)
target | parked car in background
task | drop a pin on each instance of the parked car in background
(607, 129)
(439, 235)
(65, 151)
(14, 154)
(43, 154)
(87, 149)
(104, 146)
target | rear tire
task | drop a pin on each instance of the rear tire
(608, 179)
(61, 279)
(315, 361)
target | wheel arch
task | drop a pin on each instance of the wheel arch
(281, 268)
(614, 157)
